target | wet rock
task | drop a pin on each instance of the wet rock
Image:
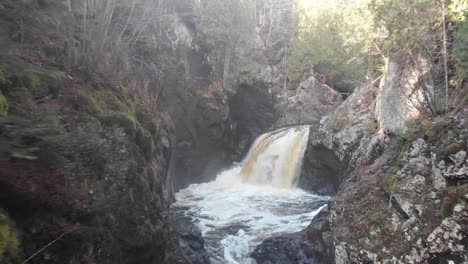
(279, 250)
(321, 170)
(190, 240)
(317, 239)
(252, 113)
(312, 245)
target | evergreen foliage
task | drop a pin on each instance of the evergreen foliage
(352, 40)
(459, 11)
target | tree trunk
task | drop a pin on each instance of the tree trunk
(227, 58)
(445, 56)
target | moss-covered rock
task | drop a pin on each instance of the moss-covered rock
(123, 120)
(145, 141)
(87, 103)
(3, 105)
(3, 77)
(10, 244)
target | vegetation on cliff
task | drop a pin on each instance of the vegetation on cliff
(84, 149)
(81, 162)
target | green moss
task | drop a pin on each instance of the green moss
(451, 198)
(55, 81)
(446, 207)
(10, 245)
(91, 121)
(33, 80)
(393, 184)
(433, 129)
(339, 220)
(394, 169)
(4, 79)
(378, 219)
(123, 120)
(145, 141)
(87, 103)
(3, 105)
(118, 105)
(337, 124)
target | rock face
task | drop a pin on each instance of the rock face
(410, 211)
(93, 173)
(402, 195)
(307, 104)
(321, 170)
(399, 98)
(252, 113)
(400, 201)
(310, 246)
(190, 240)
(281, 249)
(198, 109)
(352, 131)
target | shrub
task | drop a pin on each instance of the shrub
(87, 103)
(123, 120)
(378, 219)
(10, 245)
(3, 105)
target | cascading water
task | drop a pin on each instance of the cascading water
(254, 200)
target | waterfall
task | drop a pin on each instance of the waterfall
(275, 158)
(253, 200)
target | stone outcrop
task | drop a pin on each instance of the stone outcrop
(352, 131)
(310, 246)
(402, 193)
(252, 113)
(92, 175)
(190, 239)
(306, 104)
(414, 217)
(196, 104)
(407, 206)
(404, 93)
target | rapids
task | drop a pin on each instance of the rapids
(254, 200)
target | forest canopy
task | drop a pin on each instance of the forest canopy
(351, 40)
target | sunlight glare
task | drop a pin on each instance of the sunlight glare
(307, 4)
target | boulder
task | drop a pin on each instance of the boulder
(312, 245)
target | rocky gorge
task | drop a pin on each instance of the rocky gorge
(90, 165)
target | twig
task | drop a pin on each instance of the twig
(48, 245)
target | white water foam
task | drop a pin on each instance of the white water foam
(235, 213)
(235, 217)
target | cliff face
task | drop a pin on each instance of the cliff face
(82, 162)
(83, 158)
(410, 202)
(400, 200)
(400, 178)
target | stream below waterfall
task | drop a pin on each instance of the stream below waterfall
(254, 200)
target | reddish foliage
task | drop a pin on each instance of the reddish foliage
(32, 59)
(39, 184)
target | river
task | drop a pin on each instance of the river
(253, 200)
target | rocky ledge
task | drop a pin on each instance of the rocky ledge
(311, 245)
